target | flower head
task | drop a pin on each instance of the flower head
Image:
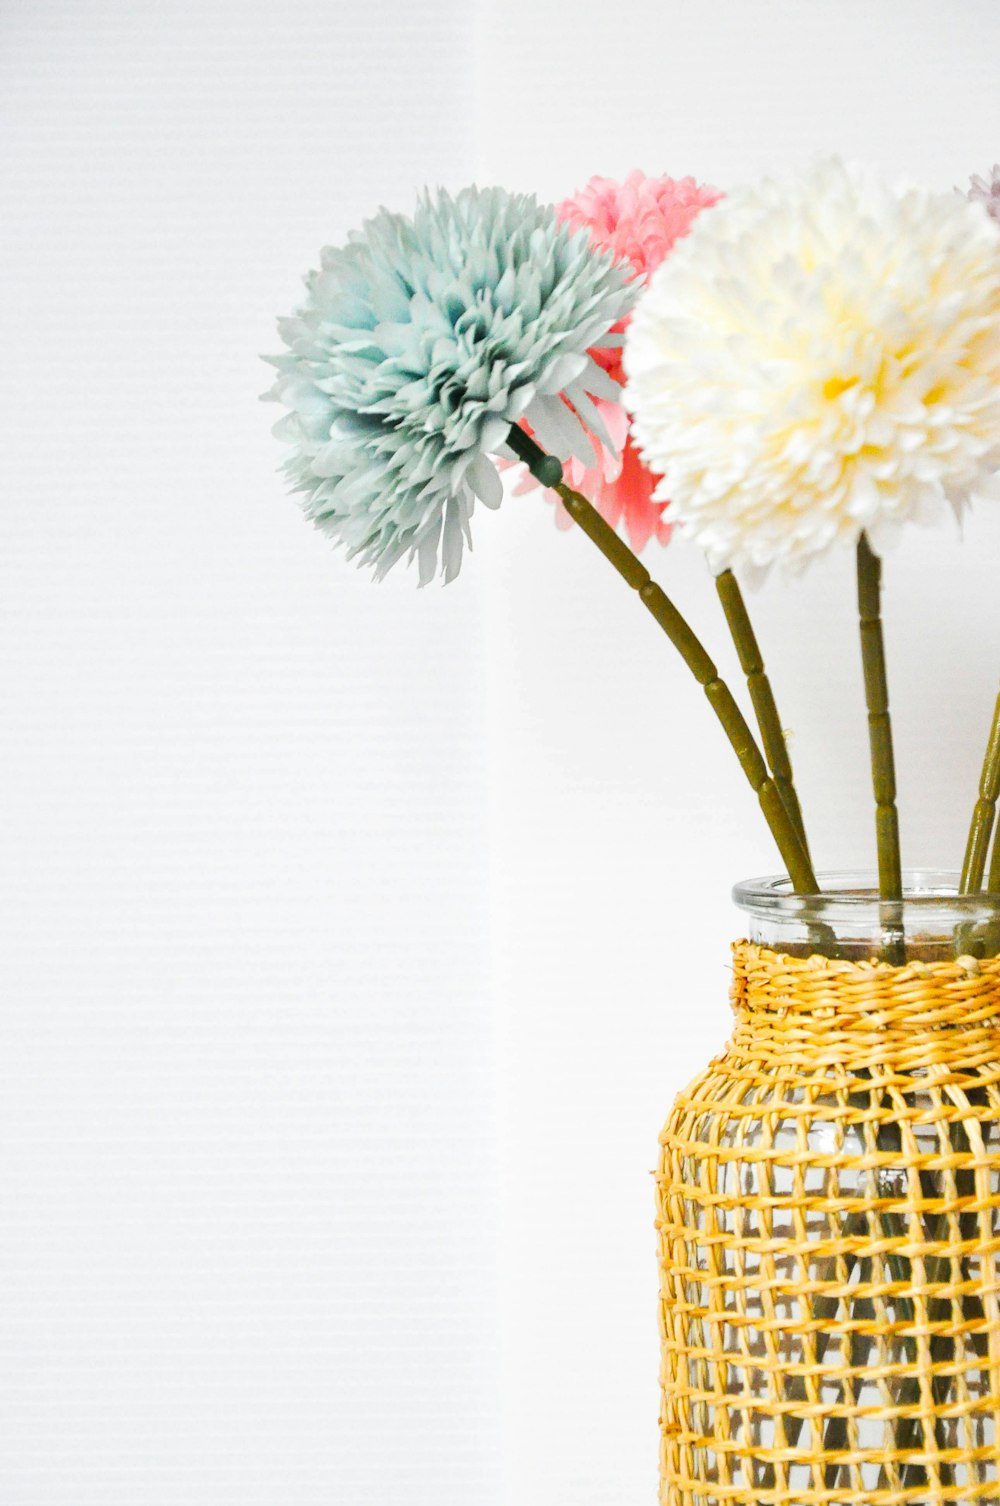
(420, 342)
(818, 359)
(986, 192)
(638, 222)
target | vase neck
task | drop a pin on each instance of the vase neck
(822, 1011)
(847, 919)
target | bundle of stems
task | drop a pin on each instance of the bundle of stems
(769, 772)
(766, 764)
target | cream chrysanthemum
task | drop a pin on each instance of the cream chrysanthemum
(819, 359)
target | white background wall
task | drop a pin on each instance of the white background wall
(357, 940)
(245, 1077)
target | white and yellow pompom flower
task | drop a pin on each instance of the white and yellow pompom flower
(817, 360)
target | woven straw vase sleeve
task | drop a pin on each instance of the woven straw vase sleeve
(828, 1202)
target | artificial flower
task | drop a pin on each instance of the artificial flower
(987, 191)
(637, 221)
(818, 359)
(420, 342)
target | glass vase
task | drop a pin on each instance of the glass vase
(828, 1201)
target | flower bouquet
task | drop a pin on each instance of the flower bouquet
(778, 371)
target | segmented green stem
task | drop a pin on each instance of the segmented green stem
(984, 815)
(890, 878)
(762, 697)
(691, 650)
(993, 880)
(701, 665)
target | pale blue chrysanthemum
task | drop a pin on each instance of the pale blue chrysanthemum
(420, 343)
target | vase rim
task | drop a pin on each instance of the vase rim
(855, 891)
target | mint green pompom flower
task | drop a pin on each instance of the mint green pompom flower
(420, 342)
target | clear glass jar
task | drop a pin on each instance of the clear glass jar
(828, 1204)
(935, 921)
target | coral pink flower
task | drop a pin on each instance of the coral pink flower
(638, 220)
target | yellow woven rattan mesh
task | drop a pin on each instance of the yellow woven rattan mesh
(829, 1220)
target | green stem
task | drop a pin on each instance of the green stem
(890, 878)
(859, 1346)
(993, 881)
(937, 1271)
(762, 697)
(908, 1432)
(794, 1387)
(658, 604)
(984, 814)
